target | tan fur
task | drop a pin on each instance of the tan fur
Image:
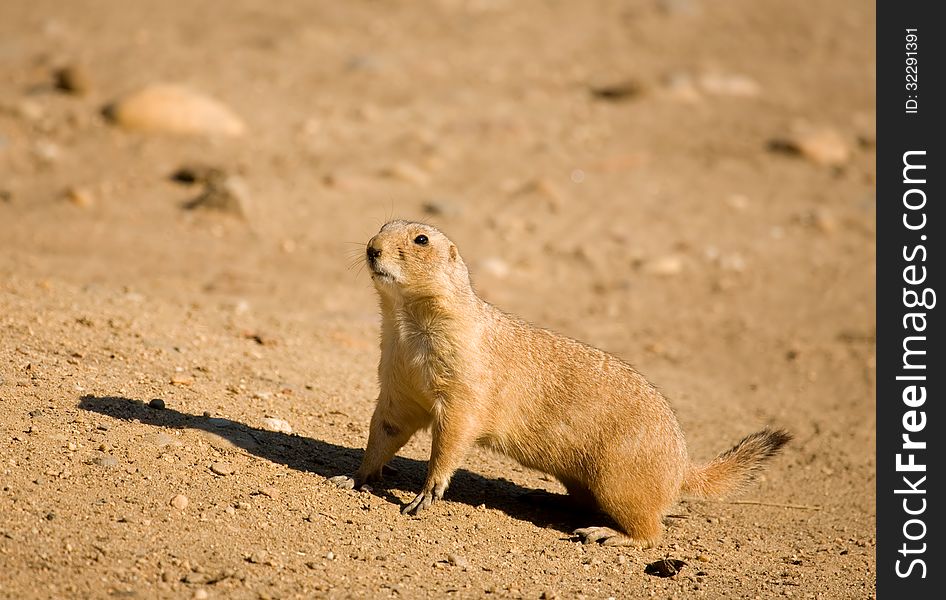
(475, 375)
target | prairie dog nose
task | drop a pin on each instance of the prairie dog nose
(373, 253)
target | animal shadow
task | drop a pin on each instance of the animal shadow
(326, 459)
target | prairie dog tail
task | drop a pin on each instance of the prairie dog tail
(736, 466)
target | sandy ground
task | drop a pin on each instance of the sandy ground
(628, 173)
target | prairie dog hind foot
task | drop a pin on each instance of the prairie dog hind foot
(348, 482)
(607, 536)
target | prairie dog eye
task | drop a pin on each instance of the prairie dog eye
(421, 240)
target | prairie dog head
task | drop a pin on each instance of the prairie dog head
(408, 259)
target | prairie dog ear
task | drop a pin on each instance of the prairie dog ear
(453, 252)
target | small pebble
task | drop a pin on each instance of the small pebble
(221, 468)
(73, 79)
(180, 502)
(823, 147)
(667, 567)
(730, 85)
(228, 194)
(277, 425)
(27, 110)
(664, 266)
(162, 439)
(105, 461)
(441, 208)
(46, 152)
(824, 221)
(197, 173)
(169, 108)
(458, 561)
(617, 92)
(269, 492)
(156, 403)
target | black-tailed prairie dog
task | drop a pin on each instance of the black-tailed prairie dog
(475, 375)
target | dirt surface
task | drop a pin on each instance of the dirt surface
(688, 184)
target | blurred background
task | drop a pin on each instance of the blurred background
(186, 189)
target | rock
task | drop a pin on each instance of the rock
(458, 561)
(46, 152)
(227, 194)
(197, 173)
(719, 84)
(169, 108)
(26, 110)
(106, 461)
(666, 567)
(269, 492)
(823, 147)
(664, 266)
(179, 502)
(825, 222)
(407, 172)
(156, 403)
(277, 425)
(73, 79)
(201, 594)
(617, 92)
(221, 468)
(681, 87)
(162, 440)
(80, 197)
(261, 338)
(441, 208)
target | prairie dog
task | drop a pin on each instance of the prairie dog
(475, 375)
